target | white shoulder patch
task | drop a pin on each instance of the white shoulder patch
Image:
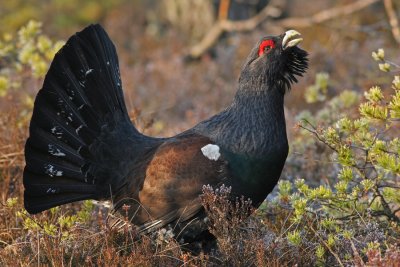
(211, 151)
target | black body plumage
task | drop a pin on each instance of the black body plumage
(82, 144)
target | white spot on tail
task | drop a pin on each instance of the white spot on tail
(78, 129)
(51, 171)
(211, 151)
(88, 72)
(56, 131)
(108, 63)
(70, 117)
(55, 151)
(50, 190)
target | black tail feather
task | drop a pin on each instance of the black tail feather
(36, 204)
(80, 103)
(46, 164)
(49, 120)
(46, 142)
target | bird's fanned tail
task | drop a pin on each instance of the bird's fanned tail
(80, 105)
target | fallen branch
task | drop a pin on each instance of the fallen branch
(326, 15)
(393, 21)
(222, 26)
(269, 11)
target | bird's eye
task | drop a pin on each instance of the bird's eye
(265, 46)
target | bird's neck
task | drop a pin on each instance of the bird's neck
(264, 104)
(254, 124)
(261, 115)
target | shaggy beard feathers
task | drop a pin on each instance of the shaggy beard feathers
(297, 64)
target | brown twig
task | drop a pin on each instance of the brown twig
(393, 21)
(386, 208)
(10, 159)
(326, 15)
(327, 246)
(224, 25)
(356, 254)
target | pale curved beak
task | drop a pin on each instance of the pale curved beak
(291, 38)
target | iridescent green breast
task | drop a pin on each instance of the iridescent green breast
(255, 177)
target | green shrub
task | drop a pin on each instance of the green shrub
(27, 54)
(358, 204)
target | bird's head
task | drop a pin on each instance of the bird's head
(275, 62)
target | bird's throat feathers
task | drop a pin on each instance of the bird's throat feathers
(273, 72)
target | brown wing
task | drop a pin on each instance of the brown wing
(173, 181)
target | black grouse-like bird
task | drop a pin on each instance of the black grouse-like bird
(82, 144)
